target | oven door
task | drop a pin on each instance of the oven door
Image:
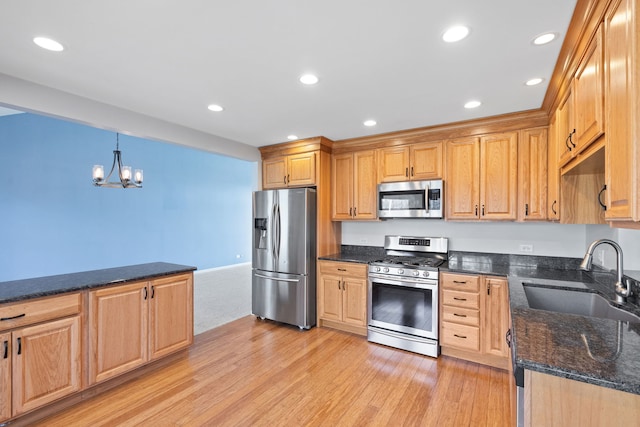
(404, 305)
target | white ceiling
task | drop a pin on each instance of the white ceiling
(376, 59)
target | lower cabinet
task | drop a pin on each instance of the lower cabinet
(474, 312)
(342, 296)
(40, 353)
(130, 325)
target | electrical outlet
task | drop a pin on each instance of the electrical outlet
(364, 241)
(526, 248)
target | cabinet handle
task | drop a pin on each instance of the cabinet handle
(351, 212)
(153, 291)
(355, 211)
(526, 209)
(482, 210)
(13, 317)
(459, 315)
(339, 282)
(285, 180)
(146, 293)
(19, 346)
(604, 207)
(476, 210)
(566, 142)
(406, 172)
(6, 349)
(488, 289)
(411, 170)
(460, 282)
(460, 336)
(571, 139)
(288, 178)
(459, 299)
(508, 337)
(554, 209)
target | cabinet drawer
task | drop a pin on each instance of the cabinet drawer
(460, 282)
(465, 316)
(39, 310)
(343, 268)
(461, 299)
(460, 336)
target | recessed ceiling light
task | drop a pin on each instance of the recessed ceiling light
(49, 44)
(472, 104)
(309, 79)
(292, 137)
(533, 82)
(215, 107)
(370, 123)
(544, 38)
(455, 34)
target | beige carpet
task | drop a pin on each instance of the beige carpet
(221, 295)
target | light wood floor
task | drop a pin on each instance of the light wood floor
(258, 373)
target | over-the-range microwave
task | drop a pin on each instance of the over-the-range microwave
(411, 199)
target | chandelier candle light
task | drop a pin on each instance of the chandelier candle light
(124, 172)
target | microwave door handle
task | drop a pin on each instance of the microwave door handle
(426, 198)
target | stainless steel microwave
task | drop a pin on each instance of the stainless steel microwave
(412, 199)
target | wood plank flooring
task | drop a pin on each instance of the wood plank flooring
(259, 373)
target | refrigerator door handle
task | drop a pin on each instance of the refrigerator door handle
(273, 231)
(278, 279)
(278, 230)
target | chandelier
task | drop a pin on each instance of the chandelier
(124, 172)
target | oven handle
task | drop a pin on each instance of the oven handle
(404, 282)
(401, 336)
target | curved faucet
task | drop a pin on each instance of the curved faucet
(622, 291)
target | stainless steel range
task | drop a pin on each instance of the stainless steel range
(403, 294)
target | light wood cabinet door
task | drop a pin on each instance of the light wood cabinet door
(496, 316)
(365, 185)
(463, 185)
(622, 153)
(426, 161)
(498, 176)
(342, 186)
(330, 297)
(532, 173)
(566, 139)
(274, 173)
(393, 164)
(118, 330)
(553, 172)
(171, 315)
(301, 169)
(5, 376)
(354, 301)
(46, 363)
(589, 95)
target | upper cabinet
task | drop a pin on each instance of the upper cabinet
(532, 175)
(622, 157)
(296, 170)
(410, 162)
(481, 178)
(353, 186)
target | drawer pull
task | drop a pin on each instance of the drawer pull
(459, 315)
(13, 317)
(460, 336)
(459, 299)
(342, 269)
(459, 282)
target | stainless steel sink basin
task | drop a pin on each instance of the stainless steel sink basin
(574, 302)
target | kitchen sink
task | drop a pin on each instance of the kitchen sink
(574, 302)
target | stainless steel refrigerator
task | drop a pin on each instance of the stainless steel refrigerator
(284, 256)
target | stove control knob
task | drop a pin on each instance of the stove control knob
(425, 273)
(377, 269)
(416, 273)
(400, 271)
(385, 270)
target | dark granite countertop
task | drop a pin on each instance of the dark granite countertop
(18, 290)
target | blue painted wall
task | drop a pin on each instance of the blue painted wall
(194, 207)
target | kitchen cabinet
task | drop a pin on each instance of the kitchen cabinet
(475, 318)
(482, 177)
(553, 172)
(295, 170)
(134, 323)
(622, 97)
(41, 352)
(411, 162)
(354, 186)
(342, 296)
(532, 175)
(556, 401)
